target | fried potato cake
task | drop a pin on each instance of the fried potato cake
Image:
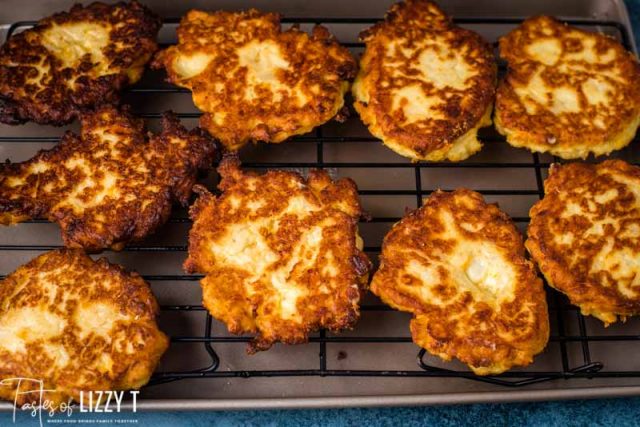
(72, 61)
(584, 233)
(281, 254)
(112, 184)
(425, 86)
(458, 265)
(253, 81)
(76, 325)
(567, 92)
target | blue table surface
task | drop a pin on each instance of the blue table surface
(601, 412)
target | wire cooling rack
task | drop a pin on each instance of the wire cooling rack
(560, 311)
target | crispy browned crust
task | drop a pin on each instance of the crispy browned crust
(584, 236)
(454, 316)
(66, 286)
(112, 184)
(36, 85)
(531, 123)
(318, 69)
(416, 27)
(243, 280)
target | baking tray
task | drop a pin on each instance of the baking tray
(376, 364)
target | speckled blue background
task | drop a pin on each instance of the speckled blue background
(603, 412)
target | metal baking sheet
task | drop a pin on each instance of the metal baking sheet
(515, 188)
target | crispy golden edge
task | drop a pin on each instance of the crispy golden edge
(522, 139)
(583, 290)
(485, 351)
(133, 296)
(314, 57)
(339, 200)
(58, 105)
(459, 150)
(423, 19)
(111, 223)
(543, 132)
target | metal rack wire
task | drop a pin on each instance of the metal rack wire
(587, 368)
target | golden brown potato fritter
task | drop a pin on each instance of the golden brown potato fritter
(73, 61)
(584, 236)
(425, 86)
(567, 92)
(112, 184)
(76, 325)
(458, 265)
(281, 254)
(253, 81)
